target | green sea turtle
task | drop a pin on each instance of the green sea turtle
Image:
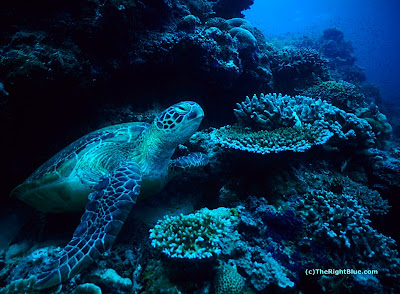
(107, 170)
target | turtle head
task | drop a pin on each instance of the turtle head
(179, 122)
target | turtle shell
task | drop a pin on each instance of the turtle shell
(54, 186)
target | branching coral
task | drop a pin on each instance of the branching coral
(334, 181)
(198, 235)
(333, 216)
(272, 111)
(342, 223)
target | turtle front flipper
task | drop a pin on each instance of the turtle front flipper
(183, 163)
(105, 214)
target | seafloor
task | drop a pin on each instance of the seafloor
(300, 184)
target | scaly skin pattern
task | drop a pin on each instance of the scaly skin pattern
(183, 163)
(105, 214)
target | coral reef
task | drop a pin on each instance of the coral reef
(378, 121)
(343, 223)
(349, 98)
(271, 111)
(265, 271)
(341, 94)
(67, 68)
(294, 68)
(384, 170)
(339, 53)
(202, 237)
(111, 278)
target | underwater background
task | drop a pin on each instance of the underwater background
(301, 131)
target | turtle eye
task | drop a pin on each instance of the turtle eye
(181, 109)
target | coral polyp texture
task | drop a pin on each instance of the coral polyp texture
(228, 280)
(297, 138)
(194, 236)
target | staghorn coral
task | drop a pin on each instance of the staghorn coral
(198, 235)
(228, 280)
(271, 111)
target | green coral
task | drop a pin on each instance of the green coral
(198, 235)
(297, 139)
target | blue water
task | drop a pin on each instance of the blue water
(372, 25)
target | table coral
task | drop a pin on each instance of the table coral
(295, 139)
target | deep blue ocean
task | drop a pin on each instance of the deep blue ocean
(372, 26)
